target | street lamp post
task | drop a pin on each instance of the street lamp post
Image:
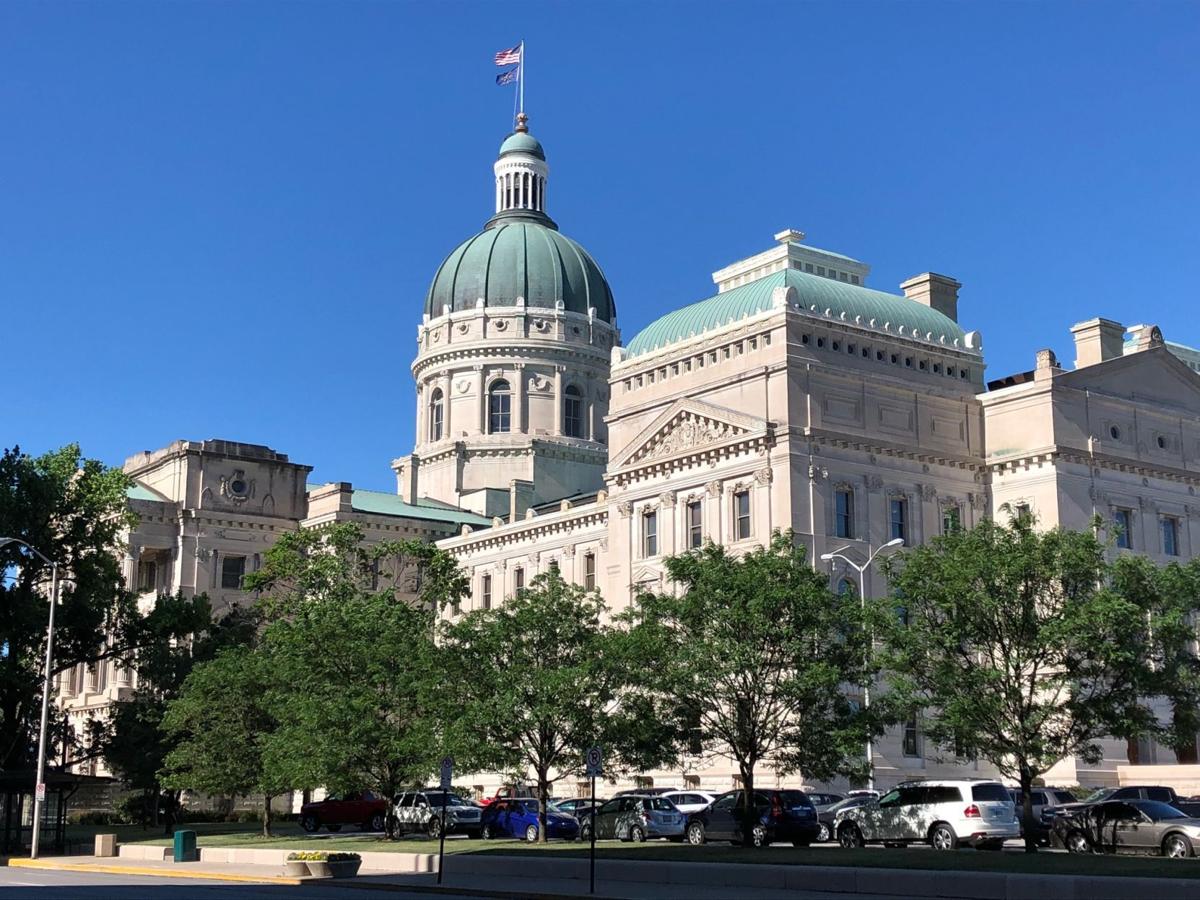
(38, 795)
(840, 553)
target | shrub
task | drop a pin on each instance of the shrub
(321, 856)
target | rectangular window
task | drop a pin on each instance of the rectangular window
(951, 519)
(898, 518)
(519, 579)
(1123, 520)
(843, 514)
(741, 512)
(808, 267)
(233, 568)
(695, 525)
(487, 592)
(147, 579)
(650, 534)
(589, 571)
(912, 737)
(1170, 536)
(1024, 512)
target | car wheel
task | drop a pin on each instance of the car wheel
(334, 827)
(758, 837)
(849, 836)
(310, 823)
(434, 827)
(637, 834)
(943, 838)
(531, 834)
(585, 831)
(485, 833)
(1077, 842)
(1176, 846)
(823, 834)
(695, 834)
(377, 822)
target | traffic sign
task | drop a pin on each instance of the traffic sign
(40, 794)
(594, 761)
(447, 772)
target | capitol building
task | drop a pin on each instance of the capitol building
(798, 395)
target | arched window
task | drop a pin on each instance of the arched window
(573, 412)
(436, 414)
(499, 408)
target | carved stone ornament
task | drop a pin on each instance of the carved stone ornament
(464, 327)
(928, 492)
(951, 503)
(540, 383)
(713, 488)
(437, 336)
(875, 482)
(569, 550)
(977, 501)
(501, 324)
(463, 385)
(541, 325)
(667, 499)
(236, 488)
(603, 544)
(625, 508)
(686, 433)
(815, 472)
(1144, 503)
(765, 475)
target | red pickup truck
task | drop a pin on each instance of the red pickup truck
(366, 809)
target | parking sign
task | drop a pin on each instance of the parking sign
(447, 772)
(595, 762)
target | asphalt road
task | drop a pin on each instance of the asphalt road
(45, 884)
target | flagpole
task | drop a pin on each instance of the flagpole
(521, 76)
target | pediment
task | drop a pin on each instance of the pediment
(1151, 376)
(685, 426)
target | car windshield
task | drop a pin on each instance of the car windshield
(988, 792)
(1158, 811)
(1097, 796)
(1064, 797)
(849, 803)
(451, 800)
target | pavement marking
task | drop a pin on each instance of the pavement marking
(156, 872)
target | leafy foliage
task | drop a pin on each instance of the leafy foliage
(1015, 646)
(753, 657)
(542, 678)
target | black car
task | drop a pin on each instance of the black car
(781, 816)
(826, 816)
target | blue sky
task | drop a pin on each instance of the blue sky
(220, 219)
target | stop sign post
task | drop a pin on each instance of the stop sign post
(447, 778)
(593, 760)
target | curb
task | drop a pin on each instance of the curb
(156, 872)
(453, 890)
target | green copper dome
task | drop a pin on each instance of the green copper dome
(520, 253)
(872, 309)
(522, 142)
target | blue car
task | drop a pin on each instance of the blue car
(518, 817)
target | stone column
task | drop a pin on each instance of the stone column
(446, 383)
(518, 400)
(559, 399)
(667, 529)
(714, 512)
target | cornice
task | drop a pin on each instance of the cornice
(556, 523)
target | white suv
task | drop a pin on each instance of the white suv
(943, 814)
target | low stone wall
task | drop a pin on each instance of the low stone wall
(401, 863)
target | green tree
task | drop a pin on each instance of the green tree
(132, 740)
(350, 634)
(753, 658)
(1014, 647)
(540, 679)
(73, 510)
(221, 728)
(1169, 600)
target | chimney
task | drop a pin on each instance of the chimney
(938, 292)
(1097, 340)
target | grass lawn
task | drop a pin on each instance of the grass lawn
(289, 835)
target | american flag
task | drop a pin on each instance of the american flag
(509, 57)
(507, 77)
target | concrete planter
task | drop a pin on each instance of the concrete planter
(295, 868)
(345, 868)
(319, 868)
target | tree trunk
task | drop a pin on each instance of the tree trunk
(749, 810)
(266, 819)
(543, 802)
(1131, 751)
(1028, 825)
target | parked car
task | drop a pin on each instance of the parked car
(646, 792)
(780, 816)
(366, 809)
(1158, 792)
(688, 802)
(824, 799)
(827, 816)
(422, 811)
(579, 807)
(635, 818)
(508, 791)
(1127, 826)
(1045, 802)
(518, 817)
(943, 814)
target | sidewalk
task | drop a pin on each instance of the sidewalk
(115, 866)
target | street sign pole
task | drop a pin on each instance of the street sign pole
(447, 778)
(594, 763)
(592, 888)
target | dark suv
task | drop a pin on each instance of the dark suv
(786, 816)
